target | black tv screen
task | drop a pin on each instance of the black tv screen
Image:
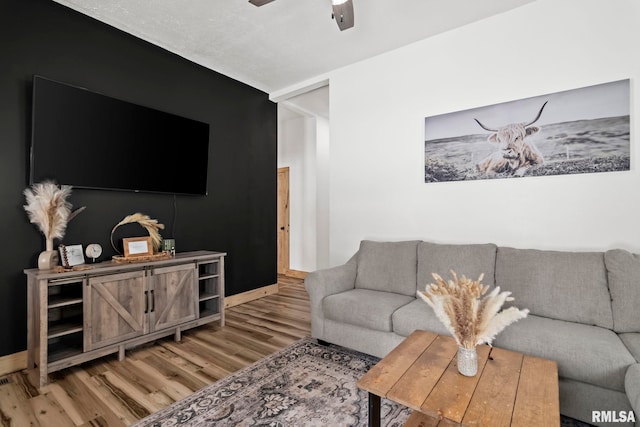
(88, 140)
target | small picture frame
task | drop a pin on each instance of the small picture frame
(137, 246)
(71, 255)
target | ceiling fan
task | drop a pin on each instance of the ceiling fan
(342, 11)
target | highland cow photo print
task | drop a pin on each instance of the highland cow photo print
(583, 130)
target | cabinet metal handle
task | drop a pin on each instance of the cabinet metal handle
(146, 302)
(153, 301)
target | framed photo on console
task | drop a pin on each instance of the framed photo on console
(137, 246)
(71, 255)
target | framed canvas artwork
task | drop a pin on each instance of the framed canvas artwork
(583, 130)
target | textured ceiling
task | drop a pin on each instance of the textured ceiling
(285, 43)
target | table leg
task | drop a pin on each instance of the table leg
(374, 410)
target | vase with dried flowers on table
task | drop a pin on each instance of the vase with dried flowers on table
(48, 208)
(472, 316)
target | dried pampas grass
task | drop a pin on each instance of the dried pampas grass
(151, 225)
(469, 314)
(48, 208)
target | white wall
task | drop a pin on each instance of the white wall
(295, 150)
(323, 193)
(377, 137)
(303, 146)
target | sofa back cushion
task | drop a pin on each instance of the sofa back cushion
(467, 260)
(569, 286)
(623, 269)
(387, 266)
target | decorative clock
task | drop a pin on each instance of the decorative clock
(93, 251)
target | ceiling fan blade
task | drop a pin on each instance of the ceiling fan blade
(259, 2)
(343, 13)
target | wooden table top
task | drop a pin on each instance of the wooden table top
(510, 388)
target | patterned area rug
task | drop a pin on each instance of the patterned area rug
(305, 384)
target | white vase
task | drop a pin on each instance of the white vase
(467, 361)
(48, 260)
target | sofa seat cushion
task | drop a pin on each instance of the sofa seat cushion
(364, 307)
(632, 342)
(584, 353)
(569, 286)
(417, 315)
(623, 269)
(388, 266)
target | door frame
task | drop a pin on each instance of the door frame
(284, 238)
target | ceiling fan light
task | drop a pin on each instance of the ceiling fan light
(343, 13)
(259, 2)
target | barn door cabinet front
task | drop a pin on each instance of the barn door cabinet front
(114, 309)
(173, 296)
(124, 306)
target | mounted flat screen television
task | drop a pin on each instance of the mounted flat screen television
(88, 140)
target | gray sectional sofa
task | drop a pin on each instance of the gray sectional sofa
(583, 310)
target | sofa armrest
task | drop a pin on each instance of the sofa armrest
(632, 387)
(322, 283)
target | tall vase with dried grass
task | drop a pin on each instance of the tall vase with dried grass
(472, 316)
(48, 208)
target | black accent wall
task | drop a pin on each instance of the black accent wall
(239, 214)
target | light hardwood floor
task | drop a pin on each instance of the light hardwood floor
(111, 393)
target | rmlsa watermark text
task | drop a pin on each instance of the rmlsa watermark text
(613, 417)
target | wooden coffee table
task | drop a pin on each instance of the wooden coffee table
(421, 373)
